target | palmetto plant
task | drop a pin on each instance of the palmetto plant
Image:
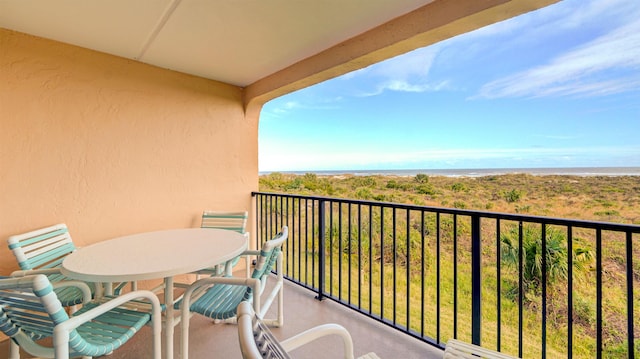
(556, 254)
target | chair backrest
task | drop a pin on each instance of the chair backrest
(234, 221)
(269, 254)
(42, 248)
(29, 308)
(256, 340)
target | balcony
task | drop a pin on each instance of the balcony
(357, 263)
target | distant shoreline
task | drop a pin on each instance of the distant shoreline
(478, 172)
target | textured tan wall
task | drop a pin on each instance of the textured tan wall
(111, 146)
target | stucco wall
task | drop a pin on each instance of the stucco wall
(111, 146)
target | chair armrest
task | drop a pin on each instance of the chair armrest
(250, 252)
(320, 331)
(210, 281)
(82, 286)
(78, 320)
(26, 272)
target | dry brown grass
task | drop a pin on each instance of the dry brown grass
(597, 198)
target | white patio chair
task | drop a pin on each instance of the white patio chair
(233, 221)
(42, 251)
(218, 297)
(457, 349)
(30, 311)
(257, 341)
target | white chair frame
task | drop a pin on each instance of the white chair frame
(21, 289)
(257, 285)
(257, 341)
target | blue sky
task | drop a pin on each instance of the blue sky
(558, 87)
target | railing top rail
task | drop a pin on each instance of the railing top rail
(609, 226)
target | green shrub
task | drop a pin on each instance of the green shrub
(380, 197)
(421, 178)
(556, 255)
(274, 180)
(459, 187)
(426, 189)
(459, 205)
(608, 213)
(294, 184)
(363, 193)
(364, 181)
(513, 195)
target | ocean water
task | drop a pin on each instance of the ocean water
(479, 172)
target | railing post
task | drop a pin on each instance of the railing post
(476, 281)
(321, 241)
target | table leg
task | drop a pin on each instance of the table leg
(168, 325)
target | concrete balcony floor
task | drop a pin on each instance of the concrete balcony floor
(302, 311)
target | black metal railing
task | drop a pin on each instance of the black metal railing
(440, 273)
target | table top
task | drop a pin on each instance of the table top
(153, 255)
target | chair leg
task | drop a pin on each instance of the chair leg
(280, 321)
(277, 291)
(184, 338)
(61, 344)
(14, 350)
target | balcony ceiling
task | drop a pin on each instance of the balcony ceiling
(233, 41)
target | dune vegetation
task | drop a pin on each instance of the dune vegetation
(593, 198)
(598, 198)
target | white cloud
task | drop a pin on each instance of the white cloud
(578, 72)
(405, 73)
(564, 15)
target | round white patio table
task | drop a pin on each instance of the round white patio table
(153, 255)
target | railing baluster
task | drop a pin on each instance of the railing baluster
(306, 241)
(271, 214)
(300, 238)
(498, 286)
(630, 316)
(395, 255)
(339, 250)
(455, 276)
(520, 288)
(349, 251)
(381, 263)
(599, 294)
(291, 242)
(543, 230)
(570, 293)
(286, 246)
(314, 209)
(422, 274)
(321, 248)
(438, 286)
(408, 272)
(331, 224)
(476, 281)
(370, 259)
(359, 256)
